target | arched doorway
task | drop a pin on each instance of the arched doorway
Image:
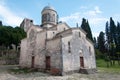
(81, 62)
(48, 63)
(32, 62)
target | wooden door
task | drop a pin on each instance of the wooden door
(81, 62)
(32, 61)
(47, 62)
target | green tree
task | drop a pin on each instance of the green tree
(95, 43)
(118, 42)
(17, 35)
(0, 23)
(5, 35)
(113, 41)
(107, 31)
(101, 42)
(10, 35)
(118, 37)
(112, 31)
(86, 27)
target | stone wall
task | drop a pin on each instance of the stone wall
(62, 27)
(51, 34)
(40, 50)
(80, 47)
(9, 57)
(54, 51)
(23, 53)
(68, 58)
(26, 24)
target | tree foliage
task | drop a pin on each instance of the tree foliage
(101, 42)
(0, 23)
(110, 45)
(118, 37)
(95, 43)
(10, 35)
(86, 27)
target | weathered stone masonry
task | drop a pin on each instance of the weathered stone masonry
(56, 47)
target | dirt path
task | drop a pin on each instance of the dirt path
(5, 75)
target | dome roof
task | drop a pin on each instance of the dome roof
(48, 7)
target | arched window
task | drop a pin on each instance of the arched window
(48, 17)
(44, 16)
(79, 34)
(69, 48)
(53, 18)
(90, 50)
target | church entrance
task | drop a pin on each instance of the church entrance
(32, 61)
(47, 62)
(81, 62)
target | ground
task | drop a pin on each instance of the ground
(5, 74)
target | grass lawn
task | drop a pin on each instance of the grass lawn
(102, 67)
(24, 70)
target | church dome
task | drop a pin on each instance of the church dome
(49, 16)
(48, 8)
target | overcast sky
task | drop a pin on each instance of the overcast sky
(12, 12)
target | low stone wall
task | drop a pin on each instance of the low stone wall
(9, 61)
(9, 57)
(2, 62)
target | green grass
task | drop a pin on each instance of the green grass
(102, 66)
(108, 70)
(100, 63)
(24, 70)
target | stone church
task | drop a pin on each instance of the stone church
(56, 47)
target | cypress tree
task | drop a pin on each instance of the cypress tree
(112, 31)
(107, 43)
(118, 42)
(101, 42)
(86, 27)
(89, 33)
(95, 43)
(118, 37)
(0, 23)
(83, 25)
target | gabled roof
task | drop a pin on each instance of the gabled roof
(79, 29)
(64, 33)
(64, 24)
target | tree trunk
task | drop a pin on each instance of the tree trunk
(107, 64)
(118, 60)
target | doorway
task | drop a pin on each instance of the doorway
(47, 62)
(81, 62)
(32, 61)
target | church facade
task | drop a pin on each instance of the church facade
(55, 47)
